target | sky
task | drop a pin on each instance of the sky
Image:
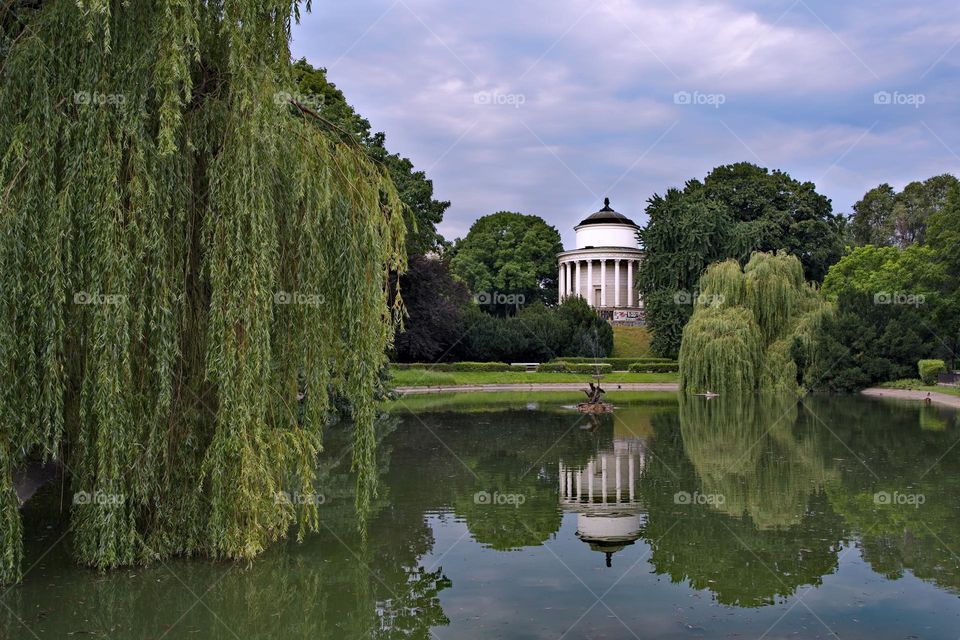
(548, 106)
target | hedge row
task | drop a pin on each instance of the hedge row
(558, 366)
(654, 367)
(574, 367)
(455, 366)
(617, 363)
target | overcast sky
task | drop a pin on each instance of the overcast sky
(547, 106)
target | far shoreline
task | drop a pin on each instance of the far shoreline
(536, 386)
(942, 399)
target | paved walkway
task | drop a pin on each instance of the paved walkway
(904, 394)
(539, 386)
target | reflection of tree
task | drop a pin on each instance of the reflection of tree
(507, 526)
(775, 531)
(748, 451)
(898, 454)
(334, 585)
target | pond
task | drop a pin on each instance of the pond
(512, 516)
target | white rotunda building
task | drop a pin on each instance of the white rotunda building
(603, 266)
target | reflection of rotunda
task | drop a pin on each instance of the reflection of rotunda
(603, 494)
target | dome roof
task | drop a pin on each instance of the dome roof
(607, 216)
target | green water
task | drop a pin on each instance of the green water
(496, 518)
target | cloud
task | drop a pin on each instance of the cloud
(541, 106)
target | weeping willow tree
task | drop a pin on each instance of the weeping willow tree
(190, 267)
(752, 328)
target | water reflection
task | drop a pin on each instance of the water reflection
(603, 493)
(744, 503)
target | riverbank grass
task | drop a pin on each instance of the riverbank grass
(429, 378)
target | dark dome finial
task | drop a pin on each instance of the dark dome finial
(606, 203)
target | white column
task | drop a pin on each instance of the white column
(569, 280)
(616, 283)
(618, 478)
(590, 473)
(561, 275)
(603, 478)
(590, 283)
(629, 283)
(603, 282)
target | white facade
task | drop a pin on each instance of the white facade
(606, 235)
(602, 269)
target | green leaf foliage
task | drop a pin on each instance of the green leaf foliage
(736, 210)
(750, 327)
(423, 212)
(189, 264)
(510, 254)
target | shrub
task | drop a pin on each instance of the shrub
(654, 367)
(454, 366)
(930, 369)
(905, 383)
(619, 364)
(574, 367)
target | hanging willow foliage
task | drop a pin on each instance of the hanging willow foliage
(750, 326)
(190, 267)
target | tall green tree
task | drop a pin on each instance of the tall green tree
(188, 264)
(510, 254)
(884, 217)
(872, 219)
(435, 304)
(424, 212)
(736, 210)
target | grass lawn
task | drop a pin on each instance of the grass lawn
(558, 401)
(631, 342)
(427, 378)
(916, 385)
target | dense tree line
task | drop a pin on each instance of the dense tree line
(894, 306)
(736, 210)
